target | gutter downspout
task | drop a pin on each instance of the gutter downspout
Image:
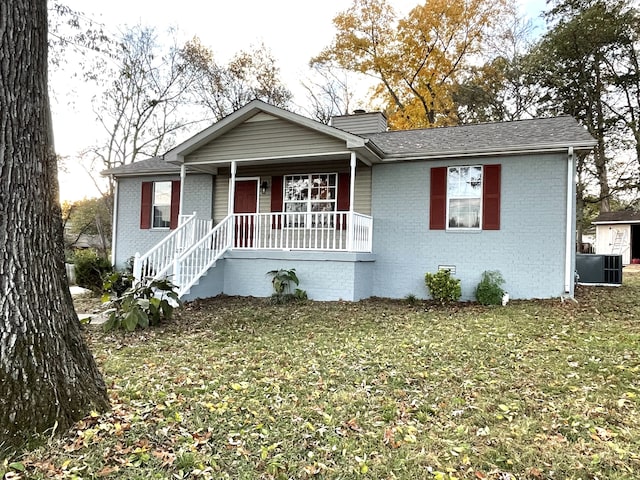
(114, 223)
(570, 227)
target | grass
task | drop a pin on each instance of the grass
(238, 388)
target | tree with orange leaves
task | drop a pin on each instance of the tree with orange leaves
(417, 59)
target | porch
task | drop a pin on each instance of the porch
(328, 231)
(278, 183)
(188, 253)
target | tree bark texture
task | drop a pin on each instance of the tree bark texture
(48, 377)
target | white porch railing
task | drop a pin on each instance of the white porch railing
(361, 233)
(189, 251)
(335, 231)
(157, 262)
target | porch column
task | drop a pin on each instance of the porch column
(352, 198)
(232, 187)
(352, 179)
(183, 174)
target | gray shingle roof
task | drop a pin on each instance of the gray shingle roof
(478, 139)
(485, 137)
(154, 165)
(629, 216)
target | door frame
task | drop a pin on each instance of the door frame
(634, 242)
(248, 179)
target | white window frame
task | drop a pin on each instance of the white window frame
(310, 218)
(465, 197)
(154, 205)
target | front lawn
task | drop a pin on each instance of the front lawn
(237, 388)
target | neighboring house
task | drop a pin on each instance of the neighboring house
(618, 233)
(357, 210)
(85, 241)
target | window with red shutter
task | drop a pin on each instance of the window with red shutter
(160, 204)
(465, 198)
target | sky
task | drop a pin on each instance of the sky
(294, 31)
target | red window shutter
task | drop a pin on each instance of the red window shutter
(491, 198)
(175, 204)
(276, 198)
(276, 194)
(438, 203)
(344, 191)
(145, 205)
(343, 200)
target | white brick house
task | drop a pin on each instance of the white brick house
(357, 210)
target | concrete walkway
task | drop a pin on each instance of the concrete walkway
(76, 290)
(96, 318)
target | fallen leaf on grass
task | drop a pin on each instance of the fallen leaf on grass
(201, 438)
(166, 458)
(600, 433)
(12, 476)
(389, 438)
(535, 472)
(353, 425)
(106, 471)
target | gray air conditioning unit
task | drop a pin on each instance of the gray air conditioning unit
(599, 269)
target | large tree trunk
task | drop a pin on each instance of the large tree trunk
(600, 153)
(48, 377)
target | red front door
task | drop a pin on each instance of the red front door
(245, 201)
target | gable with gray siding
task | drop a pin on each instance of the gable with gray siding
(265, 137)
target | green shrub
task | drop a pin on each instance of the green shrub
(442, 286)
(143, 305)
(282, 281)
(91, 269)
(489, 291)
(116, 284)
(411, 299)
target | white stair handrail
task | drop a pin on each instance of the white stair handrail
(157, 261)
(191, 265)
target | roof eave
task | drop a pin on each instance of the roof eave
(615, 222)
(140, 174)
(524, 150)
